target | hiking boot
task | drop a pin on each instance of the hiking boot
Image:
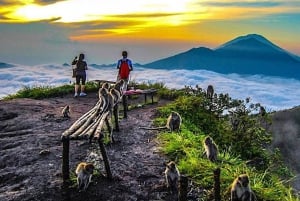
(75, 95)
(82, 94)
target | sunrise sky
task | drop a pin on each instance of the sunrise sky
(46, 31)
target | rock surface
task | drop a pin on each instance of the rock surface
(31, 153)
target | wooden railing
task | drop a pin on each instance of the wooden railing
(90, 125)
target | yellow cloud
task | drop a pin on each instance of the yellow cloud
(81, 10)
(137, 18)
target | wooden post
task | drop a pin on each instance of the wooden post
(145, 98)
(125, 105)
(65, 160)
(116, 115)
(183, 188)
(152, 94)
(217, 184)
(104, 156)
(110, 130)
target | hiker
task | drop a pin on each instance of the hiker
(125, 66)
(80, 74)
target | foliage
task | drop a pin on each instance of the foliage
(237, 126)
(40, 92)
(162, 90)
(147, 85)
(239, 129)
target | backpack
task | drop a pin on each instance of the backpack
(124, 70)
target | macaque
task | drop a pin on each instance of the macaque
(66, 111)
(240, 189)
(105, 85)
(116, 95)
(84, 172)
(211, 149)
(119, 86)
(109, 99)
(172, 176)
(174, 122)
(210, 92)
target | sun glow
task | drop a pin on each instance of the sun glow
(184, 20)
(93, 10)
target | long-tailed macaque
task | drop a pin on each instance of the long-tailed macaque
(119, 86)
(66, 111)
(210, 92)
(105, 85)
(172, 176)
(116, 94)
(174, 121)
(241, 190)
(84, 172)
(109, 99)
(211, 149)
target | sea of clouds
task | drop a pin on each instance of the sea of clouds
(274, 93)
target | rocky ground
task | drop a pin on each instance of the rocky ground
(31, 153)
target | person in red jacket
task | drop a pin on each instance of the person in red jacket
(125, 66)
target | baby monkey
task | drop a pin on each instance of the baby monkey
(66, 111)
(84, 172)
(172, 176)
(240, 189)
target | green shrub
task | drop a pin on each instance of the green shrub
(41, 92)
(242, 144)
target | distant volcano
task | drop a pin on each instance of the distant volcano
(250, 54)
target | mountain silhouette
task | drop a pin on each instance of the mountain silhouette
(5, 65)
(250, 54)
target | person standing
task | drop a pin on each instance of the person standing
(125, 66)
(80, 75)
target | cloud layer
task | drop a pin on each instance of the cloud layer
(272, 92)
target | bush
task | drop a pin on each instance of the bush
(236, 127)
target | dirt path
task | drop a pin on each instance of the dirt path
(30, 153)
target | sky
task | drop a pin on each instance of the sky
(45, 31)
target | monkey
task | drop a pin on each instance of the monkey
(84, 172)
(172, 176)
(66, 111)
(116, 94)
(108, 99)
(105, 85)
(241, 190)
(211, 149)
(119, 86)
(262, 111)
(173, 123)
(210, 92)
(104, 93)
